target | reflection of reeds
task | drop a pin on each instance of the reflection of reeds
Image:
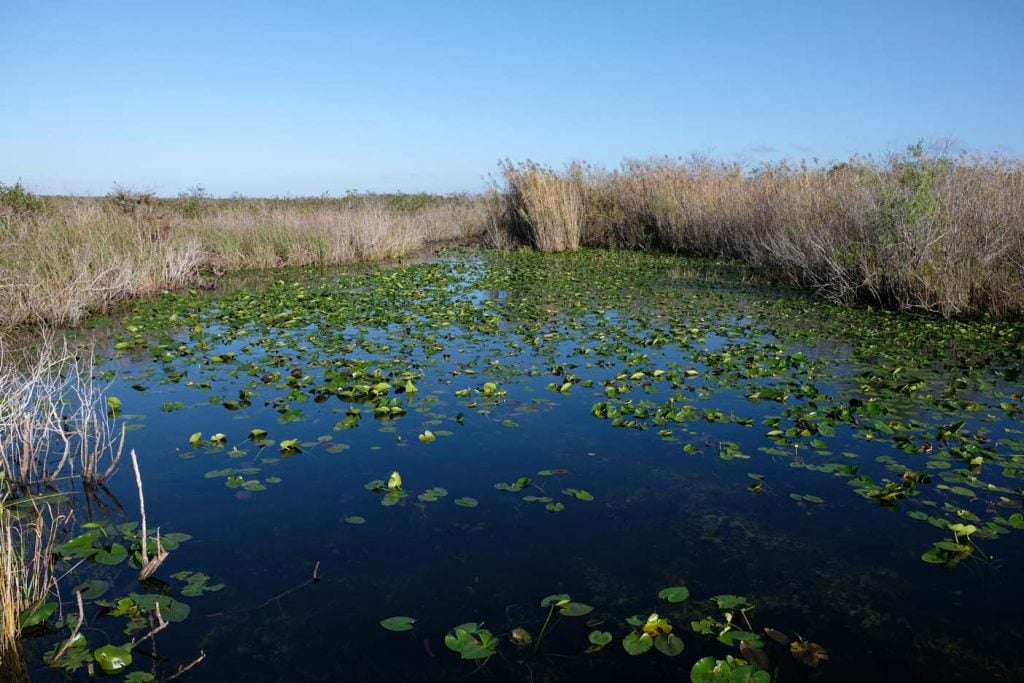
(53, 427)
(911, 231)
(76, 255)
(53, 421)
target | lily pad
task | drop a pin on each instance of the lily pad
(674, 593)
(113, 659)
(116, 555)
(669, 645)
(575, 609)
(637, 644)
(92, 589)
(398, 623)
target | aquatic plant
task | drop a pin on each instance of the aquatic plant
(565, 606)
(656, 632)
(472, 641)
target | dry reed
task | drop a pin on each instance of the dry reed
(66, 257)
(29, 530)
(914, 232)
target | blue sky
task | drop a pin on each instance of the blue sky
(298, 98)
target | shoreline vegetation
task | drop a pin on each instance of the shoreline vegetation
(920, 233)
(64, 258)
(935, 235)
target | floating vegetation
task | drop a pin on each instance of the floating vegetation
(471, 641)
(398, 623)
(660, 407)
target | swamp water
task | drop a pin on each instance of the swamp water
(581, 441)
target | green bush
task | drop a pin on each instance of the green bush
(19, 200)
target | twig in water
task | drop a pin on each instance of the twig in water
(185, 667)
(313, 579)
(160, 626)
(74, 631)
(148, 566)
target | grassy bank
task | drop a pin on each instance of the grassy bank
(912, 232)
(61, 258)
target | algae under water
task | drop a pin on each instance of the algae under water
(716, 468)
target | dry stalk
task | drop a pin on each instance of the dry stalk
(185, 667)
(161, 624)
(74, 631)
(149, 566)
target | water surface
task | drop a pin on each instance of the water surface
(734, 439)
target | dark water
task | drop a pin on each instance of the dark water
(845, 573)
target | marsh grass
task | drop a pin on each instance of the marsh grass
(29, 531)
(913, 232)
(543, 208)
(63, 258)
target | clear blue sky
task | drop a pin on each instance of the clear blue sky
(276, 98)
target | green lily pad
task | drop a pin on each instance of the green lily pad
(466, 502)
(731, 601)
(669, 645)
(674, 593)
(113, 659)
(355, 519)
(398, 623)
(92, 589)
(575, 609)
(116, 555)
(637, 644)
(554, 599)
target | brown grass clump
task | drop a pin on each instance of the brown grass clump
(543, 209)
(914, 232)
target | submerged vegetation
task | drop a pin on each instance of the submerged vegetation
(916, 232)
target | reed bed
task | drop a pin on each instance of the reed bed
(64, 258)
(29, 531)
(914, 232)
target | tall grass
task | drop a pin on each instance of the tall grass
(911, 231)
(29, 531)
(543, 209)
(62, 258)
